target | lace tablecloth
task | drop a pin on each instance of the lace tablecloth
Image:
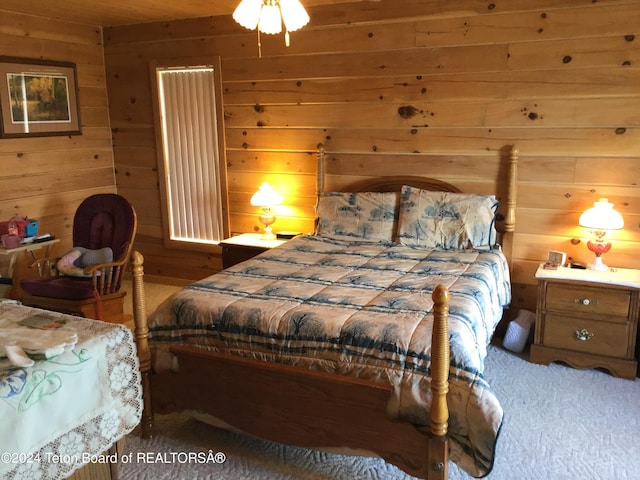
(65, 411)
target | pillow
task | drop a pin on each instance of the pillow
(92, 257)
(363, 216)
(446, 220)
(74, 261)
(66, 264)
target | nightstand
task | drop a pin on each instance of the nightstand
(588, 319)
(245, 246)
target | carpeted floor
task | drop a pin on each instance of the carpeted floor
(154, 294)
(559, 424)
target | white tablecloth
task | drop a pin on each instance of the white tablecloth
(65, 411)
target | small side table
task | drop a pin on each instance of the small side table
(588, 319)
(32, 248)
(245, 246)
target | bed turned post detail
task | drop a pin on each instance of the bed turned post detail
(510, 217)
(321, 172)
(439, 414)
(141, 335)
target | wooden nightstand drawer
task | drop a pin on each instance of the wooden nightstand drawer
(589, 336)
(234, 254)
(588, 319)
(590, 300)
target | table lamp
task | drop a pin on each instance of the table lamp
(600, 218)
(267, 198)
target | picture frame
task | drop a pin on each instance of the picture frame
(38, 98)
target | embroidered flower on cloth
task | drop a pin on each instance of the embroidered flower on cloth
(109, 424)
(12, 382)
(120, 377)
(30, 471)
(72, 444)
(116, 338)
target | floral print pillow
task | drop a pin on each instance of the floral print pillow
(446, 220)
(361, 216)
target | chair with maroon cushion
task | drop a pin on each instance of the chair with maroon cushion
(102, 220)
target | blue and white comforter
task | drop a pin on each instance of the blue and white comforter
(358, 309)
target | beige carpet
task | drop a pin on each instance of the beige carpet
(155, 293)
(559, 424)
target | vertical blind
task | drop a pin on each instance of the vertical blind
(190, 143)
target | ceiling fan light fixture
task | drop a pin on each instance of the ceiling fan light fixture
(268, 16)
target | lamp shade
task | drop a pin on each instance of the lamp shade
(247, 13)
(266, 196)
(602, 216)
(270, 21)
(294, 15)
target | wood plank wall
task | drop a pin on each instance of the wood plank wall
(429, 87)
(46, 178)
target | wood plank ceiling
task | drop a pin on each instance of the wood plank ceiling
(106, 13)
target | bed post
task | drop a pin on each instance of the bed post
(510, 217)
(439, 413)
(141, 334)
(320, 172)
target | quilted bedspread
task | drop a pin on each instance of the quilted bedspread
(359, 309)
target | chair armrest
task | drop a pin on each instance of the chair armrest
(106, 277)
(99, 267)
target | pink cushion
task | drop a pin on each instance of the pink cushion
(66, 264)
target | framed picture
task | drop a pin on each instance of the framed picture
(38, 98)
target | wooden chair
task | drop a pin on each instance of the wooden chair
(102, 220)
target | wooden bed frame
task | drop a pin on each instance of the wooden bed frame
(306, 408)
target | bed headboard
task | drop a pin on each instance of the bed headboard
(394, 184)
(506, 221)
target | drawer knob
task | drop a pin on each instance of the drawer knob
(586, 301)
(583, 335)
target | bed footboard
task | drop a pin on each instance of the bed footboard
(300, 407)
